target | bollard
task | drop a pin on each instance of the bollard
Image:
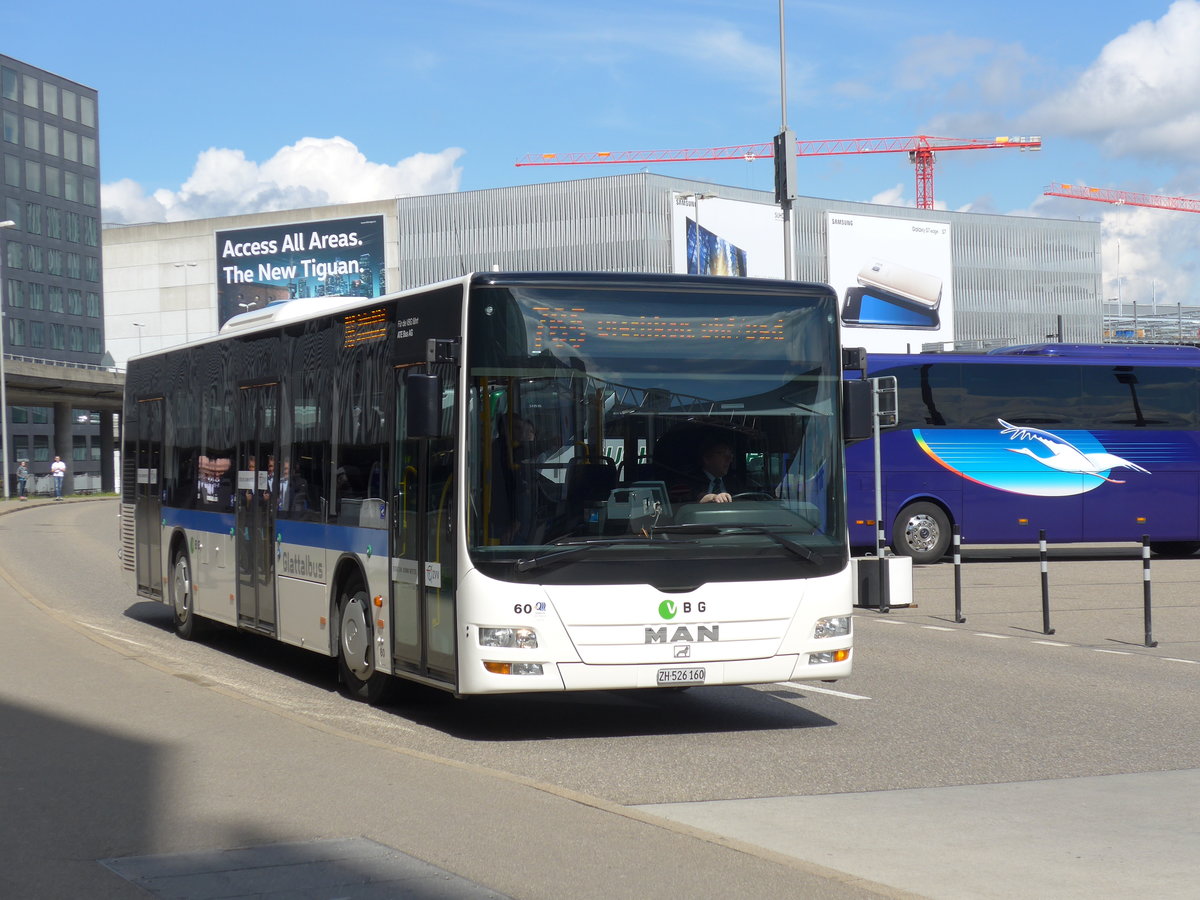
(1046, 629)
(885, 588)
(958, 616)
(1150, 642)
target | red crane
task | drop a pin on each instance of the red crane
(1122, 198)
(920, 149)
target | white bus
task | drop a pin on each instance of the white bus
(490, 484)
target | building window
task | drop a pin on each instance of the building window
(71, 186)
(41, 448)
(34, 261)
(72, 220)
(91, 233)
(37, 334)
(87, 153)
(30, 94)
(33, 218)
(91, 269)
(20, 445)
(15, 290)
(53, 222)
(93, 340)
(75, 338)
(12, 210)
(15, 255)
(56, 297)
(79, 447)
(50, 98)
(89, 192)
(92, 300)
(70, 145)
(12, 171)
(70, 105)
(20, 415)
(33, 134)
(58, 333)
(8, 84)
(37, 294)
(33, 176)
(53, 181)
(54, 262)
(10, 126)
(74, 269)
(87, 111)
(50, 144)
(16, 332)
(75, 303)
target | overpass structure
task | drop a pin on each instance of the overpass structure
(67, 386)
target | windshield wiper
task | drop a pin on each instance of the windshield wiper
(786, 543)
(572, 546)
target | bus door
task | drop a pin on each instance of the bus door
(257, 487)
(148, 498)
(423, 559)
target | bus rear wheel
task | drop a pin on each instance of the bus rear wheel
(922, 531)
(356, 652)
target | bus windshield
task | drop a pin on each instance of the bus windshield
(614, 424)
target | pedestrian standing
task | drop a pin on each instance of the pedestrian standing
(58, 469)
(22, 477)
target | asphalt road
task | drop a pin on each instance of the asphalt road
(976, 759)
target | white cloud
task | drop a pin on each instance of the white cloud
(891, 197)
(311, 172)
(1139, 96)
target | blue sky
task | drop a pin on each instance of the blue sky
(240, 107)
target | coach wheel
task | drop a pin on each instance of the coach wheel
(181, 596)
(922, 531)
(356, 654)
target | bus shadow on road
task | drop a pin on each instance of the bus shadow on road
(603, 714)
(523, 717)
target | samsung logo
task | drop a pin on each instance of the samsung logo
(837, 221)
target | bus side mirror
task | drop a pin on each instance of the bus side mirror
(857, 410)
(423, 415)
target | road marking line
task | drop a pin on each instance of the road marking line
(114, 635)
(937, 628)
(804, 686)
(1113, 652)
(999, 637)
(1190, 662)
(1051, 643)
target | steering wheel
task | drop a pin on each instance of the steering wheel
(753, 495)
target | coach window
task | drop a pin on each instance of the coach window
(1140, 397)
(1040, 396)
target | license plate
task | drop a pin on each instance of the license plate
(690, 675)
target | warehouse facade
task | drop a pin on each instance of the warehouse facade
(1011, 279)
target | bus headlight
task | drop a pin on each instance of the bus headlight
(517, 638)
(511, 668)
(832, 626)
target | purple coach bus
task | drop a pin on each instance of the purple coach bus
(1093, 443)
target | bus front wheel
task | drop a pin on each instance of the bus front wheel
(182, 599)
(356, 655)
(922, 531)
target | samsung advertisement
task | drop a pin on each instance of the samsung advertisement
(726, 237)
(893, 278)
(331, 258)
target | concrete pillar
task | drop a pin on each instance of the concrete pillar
(64, 443)
(108, 481)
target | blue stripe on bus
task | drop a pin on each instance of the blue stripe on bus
(341, 538)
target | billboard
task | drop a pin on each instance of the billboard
(894, 280)
(330, 258)
(712, 236)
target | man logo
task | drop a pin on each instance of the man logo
(682, 635)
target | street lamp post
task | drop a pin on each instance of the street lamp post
(186, 330)
(7, 223)
(139, 326)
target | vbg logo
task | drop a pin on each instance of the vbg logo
(667, 609)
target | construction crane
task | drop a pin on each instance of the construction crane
(1122, 198)
(920, 149)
